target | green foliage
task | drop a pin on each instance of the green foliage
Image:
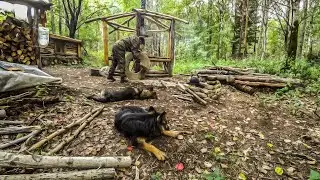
(94, 58)
(156, 176)
(314, 175)
(209, 136)
(215, 175)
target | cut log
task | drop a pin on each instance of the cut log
(261, 84)
(17, 130)
(229, 78)
(62, 130)
(20, 140)
(244, 88)
(106, 173)
(7, 100)
(3, 114)
(201, 95)
(206, 85)
(76, 133)
(35, 161)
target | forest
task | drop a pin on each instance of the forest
(279, 37)
(243, 101)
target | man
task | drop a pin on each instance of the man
(131, 44)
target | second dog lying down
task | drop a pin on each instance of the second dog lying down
(128, 93)
(140, 125)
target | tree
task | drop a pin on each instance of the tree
(303, 28)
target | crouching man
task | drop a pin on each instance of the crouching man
(133, 44)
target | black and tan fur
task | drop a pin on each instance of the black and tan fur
(128, 93)
(140, 125)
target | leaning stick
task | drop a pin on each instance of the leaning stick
(60, 131)
(19, 140)
(36, 161)
(193, 94)
(75, 134)
(106, 173)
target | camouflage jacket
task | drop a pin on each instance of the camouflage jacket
(130, 44)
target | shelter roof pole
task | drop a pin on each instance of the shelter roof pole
(105, 42)
(164, 16)
(109, 18)
(125, 22)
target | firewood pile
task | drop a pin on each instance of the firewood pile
(199, 92)
(16, 44)
(245, 80)
(31, 136)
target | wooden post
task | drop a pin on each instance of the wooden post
(138, 25)
(105, 42)
(172, 48)
(79, 51)
(35, 37)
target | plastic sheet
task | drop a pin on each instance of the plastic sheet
(17, 76)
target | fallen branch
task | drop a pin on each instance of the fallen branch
(76, 133)
(244, 88)
(60, 131)
(17, 130)
(106, 173)
(19, 140)
(7, 100)
(35, 161)
(11, 122)
(183, 98)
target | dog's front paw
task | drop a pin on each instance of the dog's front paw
(161, 156)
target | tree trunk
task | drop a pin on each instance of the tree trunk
(220, 30)
(293, 34)
(60, 17)
(265, 27)
(53, 28)
(303, 28)
(310, 34)
(245, 38)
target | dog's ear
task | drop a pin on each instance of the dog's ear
(151, 109)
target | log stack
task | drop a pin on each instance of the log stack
(245, 79)
(16, 43)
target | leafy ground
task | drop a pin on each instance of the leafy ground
(236, 136)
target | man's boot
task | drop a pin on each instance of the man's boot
(111, 78)
(123, 79)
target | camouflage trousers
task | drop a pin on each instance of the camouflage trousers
(118, 60)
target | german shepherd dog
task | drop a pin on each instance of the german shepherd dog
(128, 93)
(140, 125)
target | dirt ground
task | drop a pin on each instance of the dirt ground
(238, 134)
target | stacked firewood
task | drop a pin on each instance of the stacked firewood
(16, 44)
(245, 79)
(199, 92)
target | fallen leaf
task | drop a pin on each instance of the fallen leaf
(261, 135)
(269, 145)
(217, 150)
(207, 164)
(224, 166)
(137, 163)
(278, 170)
(180, 137)
(287, 141)
(199, 171)
(290, 170)
(230, 143)
(204, 150)
(179, 166)
(242, 176)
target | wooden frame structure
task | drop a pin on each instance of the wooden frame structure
(140, 15)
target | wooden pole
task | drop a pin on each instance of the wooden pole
(105, 42)
(35, 37)
(172, 48)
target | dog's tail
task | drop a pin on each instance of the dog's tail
(98, 98)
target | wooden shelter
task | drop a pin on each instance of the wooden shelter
(39, 7)
(61, 50)
(140, 15)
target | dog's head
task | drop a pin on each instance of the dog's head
(162, 121)
(148, 94)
